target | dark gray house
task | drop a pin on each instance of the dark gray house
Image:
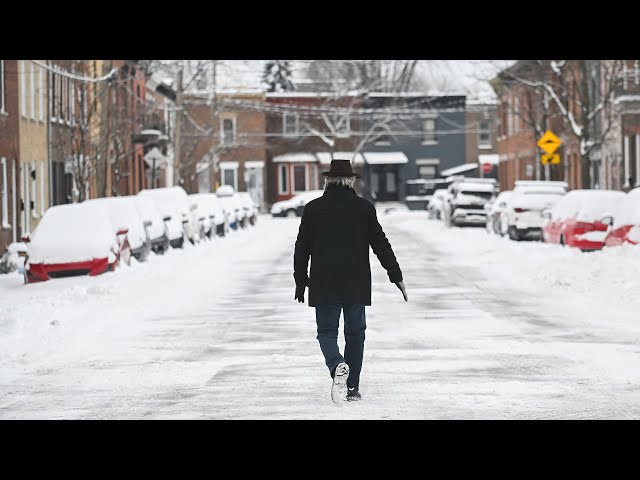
(415, 138)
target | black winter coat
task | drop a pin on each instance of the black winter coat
(336, 231)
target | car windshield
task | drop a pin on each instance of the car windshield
(483, 195)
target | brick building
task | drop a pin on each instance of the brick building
(9, 154)
(522, 117)
(34, 142)
(301, 143)
(223, 143)
(481, 139)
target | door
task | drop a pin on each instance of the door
(255, 185)
(384, 182)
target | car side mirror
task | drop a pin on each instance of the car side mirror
(122, 231)
(202, 219)
(546, 214)
(166, 218)
(26, 238)
(147, 223)
(608, 220)
(502, 204)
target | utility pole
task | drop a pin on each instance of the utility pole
(178, 134)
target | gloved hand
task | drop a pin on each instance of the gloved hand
(299, 293)
(400, 285)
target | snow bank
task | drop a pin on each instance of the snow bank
(72, 233)
(599, 287)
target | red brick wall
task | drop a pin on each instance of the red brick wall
(9, 148)
(250, 139)
(518, 149)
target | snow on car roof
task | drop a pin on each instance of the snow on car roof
(589, 205)
(72, 233)
(627, 212)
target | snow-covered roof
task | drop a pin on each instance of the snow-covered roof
(428, 93)
(310, 94)
(490, 158)
(465, 167)
(385, 158)
(301, 157)
(325, 157)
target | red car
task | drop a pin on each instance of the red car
(575, 220)
(75, 239)
(624, 224)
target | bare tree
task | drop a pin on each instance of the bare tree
(581, 91)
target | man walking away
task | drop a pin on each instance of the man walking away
(336, 231)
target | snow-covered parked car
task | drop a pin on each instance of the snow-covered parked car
(154, 222)
(210, 213)
(466, 201)
(74, 239)
(250, 208)
(576, 220)
(624, 223)
(13, 258)
(124, 214)
(523, 216)
(232, 205)
(495, 212)
(295, 205)
(173, 203)
(436, 204)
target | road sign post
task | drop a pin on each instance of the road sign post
(549, 142)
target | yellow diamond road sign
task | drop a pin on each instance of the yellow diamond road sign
(548, 158)
(549, 142)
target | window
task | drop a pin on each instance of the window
(23, 89)
(299, 178)
(516, 114)
(375, 182)
(290, 124)
(227, 130)
(229, 174)
(284, 180)
(383, 140)
(391, 182)
(229, 177)
(34, 190)
(2, 102)
(484, 135)
(624, 74)
(42, 200)
(427, 171)
(32, 90)
(41, 75)
(138, 94)
(342, 125)
(72, 103)
(429, 129)
(5, 194)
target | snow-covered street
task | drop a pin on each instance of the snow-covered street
(493, 329)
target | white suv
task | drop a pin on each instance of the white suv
(522, 218)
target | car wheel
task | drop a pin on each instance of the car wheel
(513, 234)
(562, 240)
(292, 213)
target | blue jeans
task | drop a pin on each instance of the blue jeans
(328, 320)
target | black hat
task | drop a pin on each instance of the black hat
(341, 168)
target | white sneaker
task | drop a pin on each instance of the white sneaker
(339, 386)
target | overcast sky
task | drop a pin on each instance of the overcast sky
(446, 76)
